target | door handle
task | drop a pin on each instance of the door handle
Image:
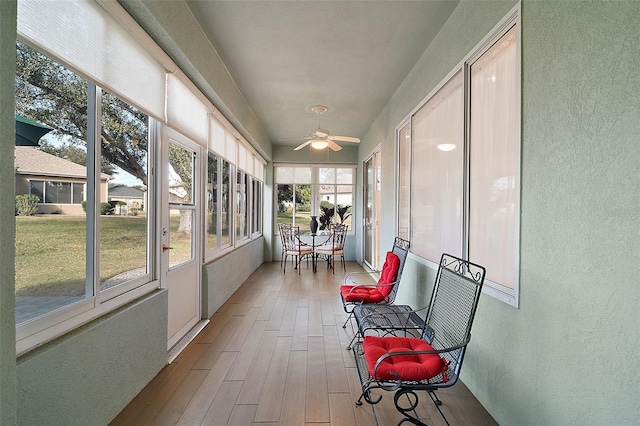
(166, 247)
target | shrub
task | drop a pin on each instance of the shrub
(105, 208)
(26, 205)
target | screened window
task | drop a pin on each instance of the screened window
(305, 191)
(64, 273)
(124, 252)
(256, 203)
(219, 216)
(54, 192)
(436, 167)
(225, 204)
(464, 187)
(494, 185)
(213, 238)
(404, 181)
(52, 277)
(242, 217)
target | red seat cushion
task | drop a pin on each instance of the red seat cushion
(352, 293)
(389, 273)
(405, 367)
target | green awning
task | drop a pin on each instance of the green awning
(29, 132)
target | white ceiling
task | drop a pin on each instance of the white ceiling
(350, 56)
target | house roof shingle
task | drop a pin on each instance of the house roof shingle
(125, 191)
(31, 161)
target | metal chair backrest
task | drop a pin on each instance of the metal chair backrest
(452, 308)
(339, 236)
(290, 238)
(400, 249)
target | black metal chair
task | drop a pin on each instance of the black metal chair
(334, 246)
(384, 292)
(405, 365)
(293, 246)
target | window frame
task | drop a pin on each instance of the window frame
(44, 191)
(95, 302)
(315, 181)
(511, 20)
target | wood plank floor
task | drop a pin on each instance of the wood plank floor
(274, 354)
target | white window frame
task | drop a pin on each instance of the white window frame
(496, 290)
(315, 184)
(96, 303)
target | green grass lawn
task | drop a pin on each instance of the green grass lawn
(51, 251)
(302, 219)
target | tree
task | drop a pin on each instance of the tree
(54, 95)
(75, 154)
(181, 160)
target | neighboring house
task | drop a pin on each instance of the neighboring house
(58, 183)
(132, 197)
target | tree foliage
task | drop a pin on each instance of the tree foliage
(50, 93)
(74, 153)
(303, 193)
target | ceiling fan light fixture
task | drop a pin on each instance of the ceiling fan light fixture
(319, 144)
(446, 147)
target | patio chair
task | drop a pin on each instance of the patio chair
(405, 365)
(334, 246)
(294, 247)
(384, 291)
(283, 228)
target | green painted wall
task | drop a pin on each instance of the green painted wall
(569, 354)
(7, 211)
(89, 375)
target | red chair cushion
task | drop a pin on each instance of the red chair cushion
(389, 273)
(358, 294)
(404, 367)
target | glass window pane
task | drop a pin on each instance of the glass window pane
(494, 186)
(283, 175)
(285, 204)
(404, 181)
(180, 174)
(123, 235)
(345, 176)
(327, 198)
(241, 205)
(37, 188)
(78, 193)
(327, 175)
(344, 205)
(256, 202)
(437, 177)
(50, 263)
(180, 231)
(302, 206)
(212, 241)
(50, 192)
(64, 192)
(302, 175)
(226, 204)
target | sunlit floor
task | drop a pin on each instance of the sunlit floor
(275, 354)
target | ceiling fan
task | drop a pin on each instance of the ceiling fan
(320, 139)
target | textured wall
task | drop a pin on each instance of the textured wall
(569, 354)
(7, 211)
(88, 376)
(226, 274)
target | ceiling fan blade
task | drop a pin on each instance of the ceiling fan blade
(299, 147)
(334, 146)
(320, 134)
(345, 139)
